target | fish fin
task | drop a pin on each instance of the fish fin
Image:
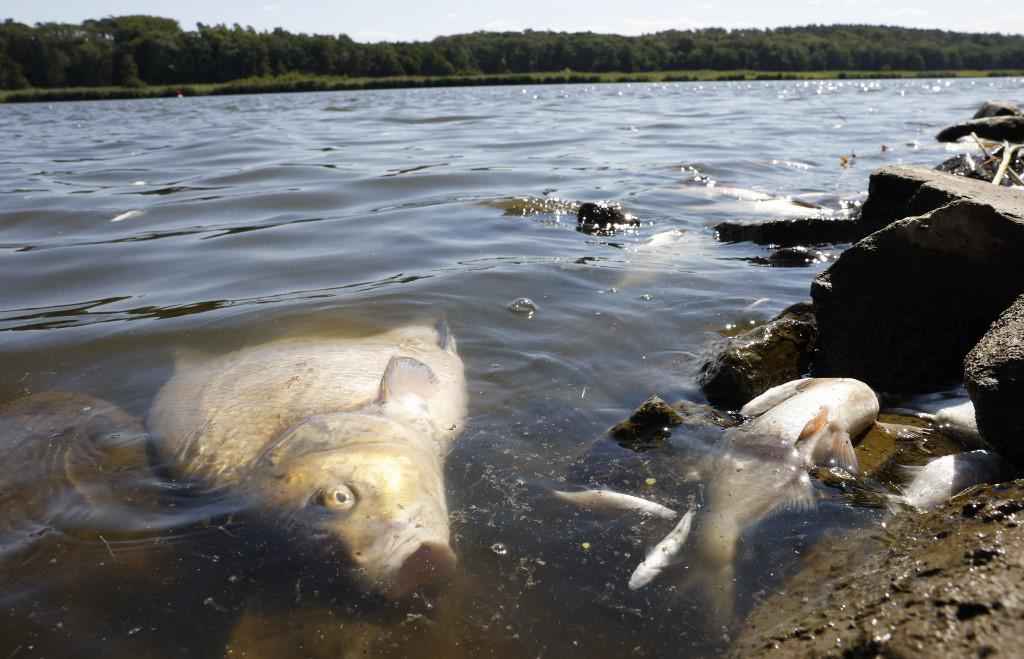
(814, 426)
(405, 375)
(445, 338)
(774, 396)
(840, 450)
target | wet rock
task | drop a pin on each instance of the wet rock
(757, 360)
(791, 233)
(648, 426)
(997, 109)
(994, 373)
(653, 422)
(791, 257)
(602, 217)
(1008, 128)
(898, 192)
(939, 584)
(901, 308)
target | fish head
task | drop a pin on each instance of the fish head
(372, 488)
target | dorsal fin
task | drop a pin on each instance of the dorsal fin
(406, 376)
(445, 339)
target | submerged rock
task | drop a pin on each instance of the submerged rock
(997, 109)
(602, 217)
(652, 423)
(1008, 128)
(648, 426)
(761, 358)
(791, 257)
(994, 373)
(791, 233)
(939, 584)
(901, 308)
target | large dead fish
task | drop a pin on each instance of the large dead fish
(760, 468)
(340, 439)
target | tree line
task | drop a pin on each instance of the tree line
(140, 50)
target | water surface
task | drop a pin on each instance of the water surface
(129, 230)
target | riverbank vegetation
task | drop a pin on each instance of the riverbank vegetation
(147, 51)
(294, 82)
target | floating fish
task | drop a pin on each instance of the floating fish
(760, 468)
(339, 440)
(664, 554)
(609, 502)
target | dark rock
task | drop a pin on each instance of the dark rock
(915, 589)
(994, 373)
(791, 257)
(757, 360)
(898, 192)
(901, 308)
(648, 426)
(602, 217)
(791, 233)
(997, 109)
(1009, 128)
(653, 422)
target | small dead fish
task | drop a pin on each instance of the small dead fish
(664, 553)
(940, 479)
(609, 502)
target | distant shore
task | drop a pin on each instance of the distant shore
(311, 83)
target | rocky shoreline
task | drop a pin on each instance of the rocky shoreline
(928, 297)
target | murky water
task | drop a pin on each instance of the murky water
(131, 229)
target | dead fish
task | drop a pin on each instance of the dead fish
(760, 468)
(954, 415)
(339, 440)
(819, 416)
(942, 478)
(609, 502)
(664, 554)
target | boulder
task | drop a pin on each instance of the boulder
(1009, 128)
(997, 109)
(994, 374)
(791, 233)
(753, 362)
(942, 584)
(901, 308)
(897, 192)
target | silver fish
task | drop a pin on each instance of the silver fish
(609, 502)
(940, 479)
(664, 554)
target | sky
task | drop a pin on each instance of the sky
(407, 20)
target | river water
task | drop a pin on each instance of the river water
(129, 230)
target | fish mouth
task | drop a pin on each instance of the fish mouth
(427, 565)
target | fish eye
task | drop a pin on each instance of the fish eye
(338, 497)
